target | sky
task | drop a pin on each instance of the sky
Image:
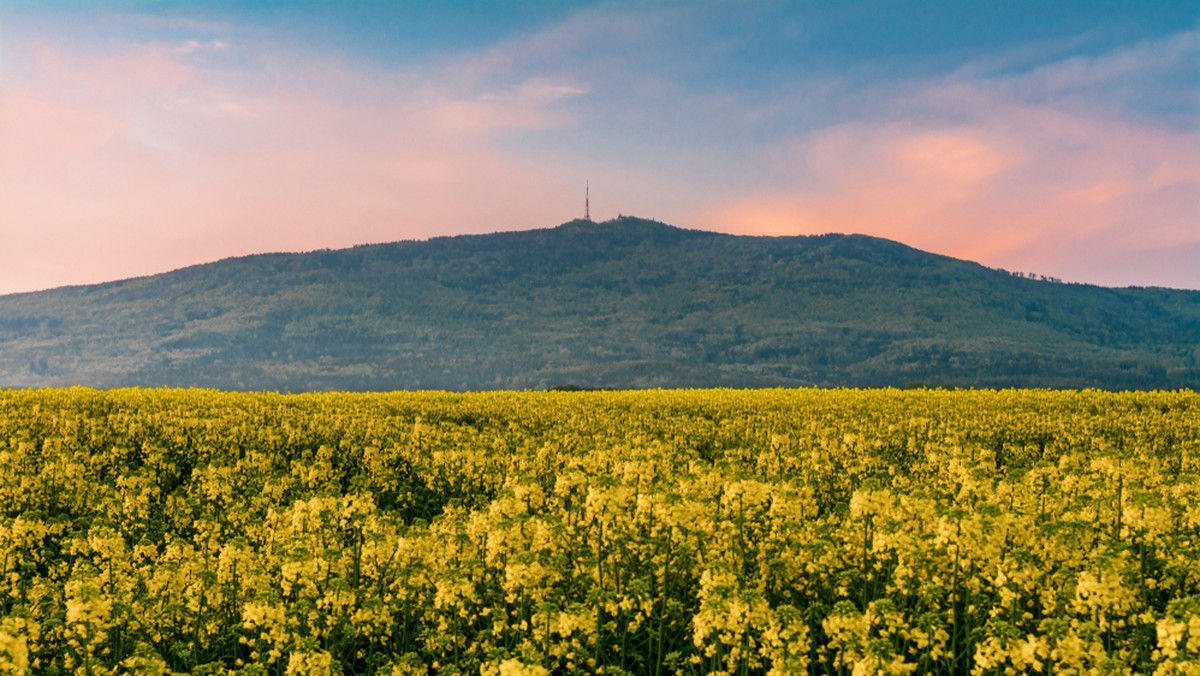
(1058, 137)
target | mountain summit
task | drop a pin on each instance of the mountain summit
(623, 303)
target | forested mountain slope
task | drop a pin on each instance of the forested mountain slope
(625, 303)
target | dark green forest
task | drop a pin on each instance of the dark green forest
(625, 303)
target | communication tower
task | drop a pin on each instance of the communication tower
(587, 198)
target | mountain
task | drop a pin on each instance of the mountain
(625, 303)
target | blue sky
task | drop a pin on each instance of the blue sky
(1054, 137)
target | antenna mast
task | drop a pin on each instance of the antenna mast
(587, 197)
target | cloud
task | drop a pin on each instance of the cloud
(37, 133)
(970, 169)
(950, 158)
(528, 105)
(223, 140)
(582, 42)
(117, 77)
(143, 158)
(194, 46)
(1020, 189)
(1097, 74)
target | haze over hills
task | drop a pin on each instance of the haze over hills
(625, 303)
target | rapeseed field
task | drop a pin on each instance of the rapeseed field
(729, 532)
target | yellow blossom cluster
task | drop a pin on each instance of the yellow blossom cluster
(849, 532)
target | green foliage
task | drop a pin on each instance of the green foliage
(627, 303)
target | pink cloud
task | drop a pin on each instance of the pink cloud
(35, 132)
(147, 157)
(1017, 186)
(950, 158)
(528, 105)
(116, 77)
(138, 162)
